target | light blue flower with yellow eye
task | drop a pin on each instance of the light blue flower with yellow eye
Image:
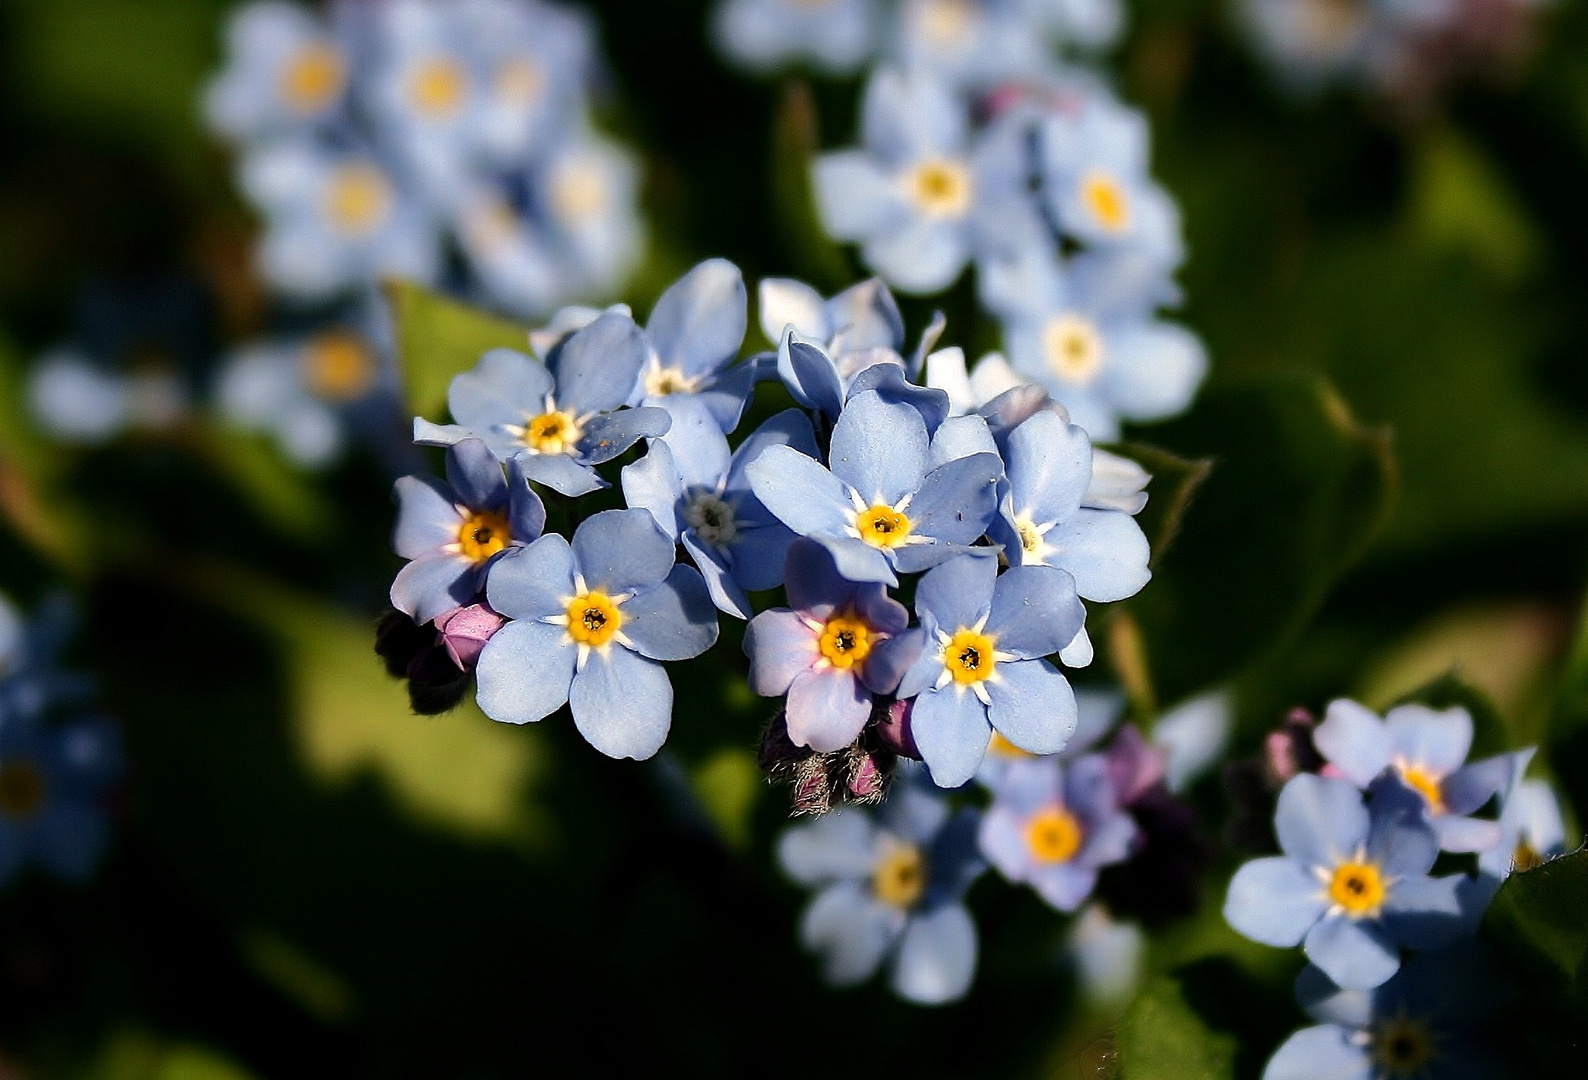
(971, 44)
(559, 420)
(452, 532)
(695, 331)
(978, 662)
(887, 505)
(1352, 886)
(1087, 333)
(286, 72)
(920, 198)
(592, 622)
(1307, 42)
(53, 783)
(890, 890)
(1092, 164)
(700, 495)
(834, 36)
(336, 219)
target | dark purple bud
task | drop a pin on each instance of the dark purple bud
(465, 630)
(1134, 766)
(891, 725)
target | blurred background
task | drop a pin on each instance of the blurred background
(301, 874)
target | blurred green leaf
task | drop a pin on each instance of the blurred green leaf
(137, 1055)
(253, 465)
(437, 338)
(321, 992)
(1459, 203)
(795, 143)
(728, 784)
(1537, 919)
(1161, 1038)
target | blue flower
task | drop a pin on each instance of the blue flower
(1351, 886)
(883, 507)
(76, 400)
(285, 72)
(891, 891)
(12, 637)
(1306, 41)
(1092, 24)
(1087, 333)
(825, 383)
(694, 332)
(1092, 165)
(1531, 831)
(971, 44)
(919, 199)
(700, 495)
(861, 322)
(1423, 749)
(591, 623)
(336, 219)
(978, 663)
(1426, 1022)
(558, 422)
(452, 532)
(53, 782)
(823, 650)
(1054, 826)
(835, 36)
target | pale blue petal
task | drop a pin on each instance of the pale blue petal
(727, 395)
(699, 322)
(435, 584)
(1105, 551)
(957, 593)
(525, 512)
(1471, 787)
(1320, 821)
(951, 731)
(1034, 611)
(907, 652)
(1437, 740)
(562, 474)
(1327, 1052)
(810, 375)
(427, 517)
(865, 316)
(855, 196)
(1466, 834)
(785, 302)
(1064, 885)
(957, 501)
(1353, 739)
(534, 581)
(652, 484)
(1325, 1002)
(836, 846)
(621, 551)
(937, 957)
(1049, 463)
(826, 709)
(505, 387)
(960, 437)
(1400, 838)
(1001, 838)
(851, 931)
(1274, 901)
(598, 366)
(857, 560)
(1425, 913)
(780, 646)
(1356, 955)
(1032, 705)
(622, 703)
(791, 427)
(475, 475)
(758, 557)
(888, 380)
(674, 620)
(923, 257)
(1154, 369)
(803, 495)
(524, 672)
(879, 448)
(610, 434)
(725, 592)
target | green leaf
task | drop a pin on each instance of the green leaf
(1458, 202)
(728, 785)
(437, 338)
(1537, 919)
(1161, 1038)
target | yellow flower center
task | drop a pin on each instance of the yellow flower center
(579, 191)
(358, 199)
(552, 432)
(437, 87)
(1525, 857)
(1425, 783)
(593, 619)
(1358, 887)
(339, 366)
(519, 80)
(1074, 348)
(945, 22)
(845, 640)
(662, 381)
(939, 187)
(969, 657)
(1106, 200)
(1403, 1047)
(21, 790)
(482, 535)
(312, 79)
(900, 877)
(1053, 835)
(1002, 747)
(882, 526)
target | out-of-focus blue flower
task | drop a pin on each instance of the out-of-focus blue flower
(1097, 712)
(1092, 165)
(1379, 42)
(286, 71)
(970, 388)
(891, 889)
(11, 637)
(78, 401)
(302, 391)
(972, 44)
(558, 422)
(978, 662)
(823, 650)
(700, 495)
(1108, 955)
(857, 327)
(1424, 749)
(452, 532)
(1352, 885)
(695, 332)
(919, 198)
(336, 219)
(1426, 1022)
(1086, 332)
(53, 782)
(1091, 24)
(835, 36)
(592, 620)
(1531, 831)
(32, 681)
(1053, 826)
(884, 507)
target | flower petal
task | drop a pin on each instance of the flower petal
(427, 517)
(524, 672)
(562, 474)
(619, 551)
(951, 731)
(956, 502)
(1032, 705)
(957, 593)
(879, 448)
(1274, 901)
(432, 585)
(724, 591)
(533, 581)
(1049, 463)
(622, 703)
(653, 484)
(785, 302)
(674, 620)
(1034, 611)
(850, 930)
(610, 434)
(1104, 550)
(698, 324)
(803, 495)
(1357, 955)
(826, 709)
(838, 845)
(780, 646)
(505, 387)
(475, 475)
(1320, 821)
(1353, 739)
(1326, 1052)
(598, 366)
(937, 957)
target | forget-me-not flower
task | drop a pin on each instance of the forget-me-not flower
(286, 72)
(700, 495)
(1532, 831)
(1091, 24)
(835, 36)
(53, 783)
(978, 662)
(823, 650)
(592, 621)
(883, 507)
(1053, 826)
(971, 44)
(1425, 749)
(891, 890)
(452, 532)
(1352, 885)
(558, 421)
(76, 400)
(694, 332)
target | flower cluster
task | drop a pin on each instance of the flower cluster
(978, 146)
(57, 761)
(1359, 835)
